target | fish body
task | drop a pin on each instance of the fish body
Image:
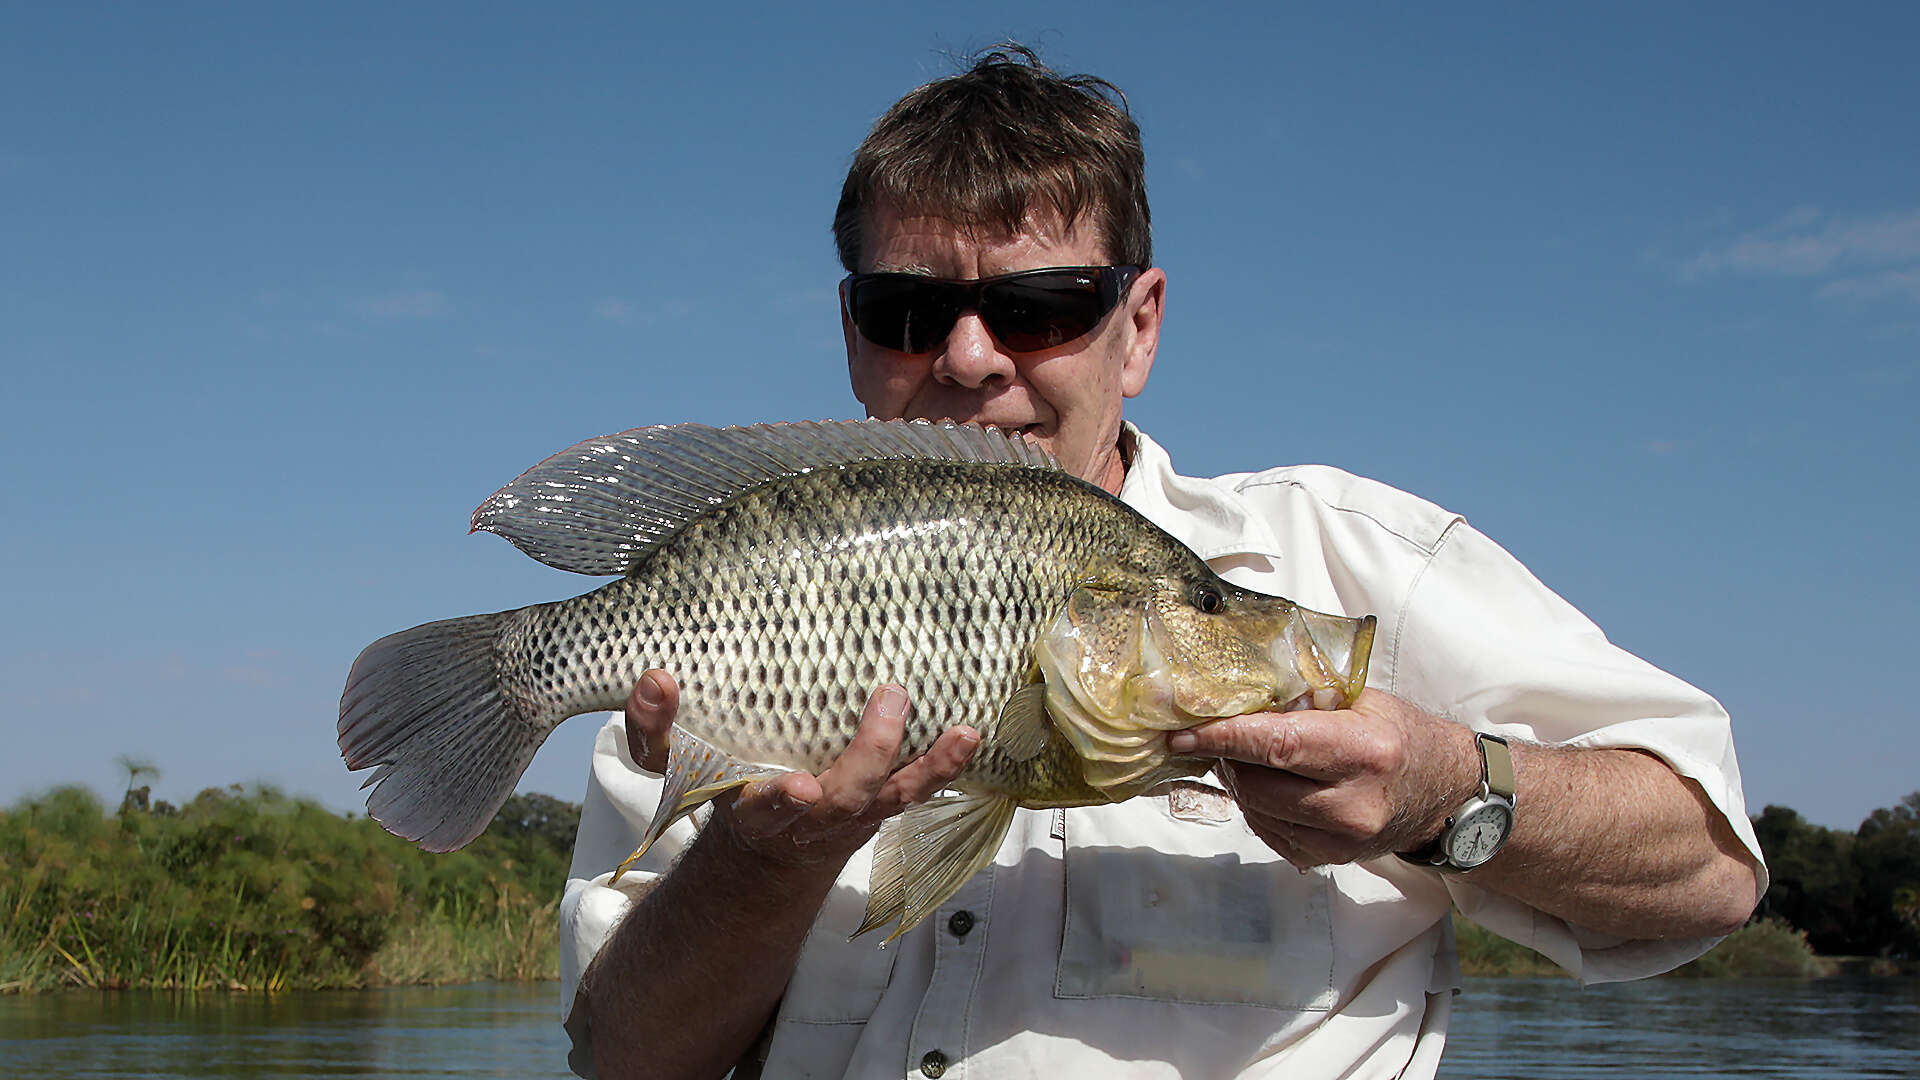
(782, 572)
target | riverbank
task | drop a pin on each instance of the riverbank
(1763, 948)
(247, 889)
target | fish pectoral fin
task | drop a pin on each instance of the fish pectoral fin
(924, 855)
(1024, 725)
(697, 771)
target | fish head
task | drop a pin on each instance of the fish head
(1129, 660)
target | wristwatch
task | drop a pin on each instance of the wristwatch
(1475, 831)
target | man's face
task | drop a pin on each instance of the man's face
(1067, 398)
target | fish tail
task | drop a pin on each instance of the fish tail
(425, 709)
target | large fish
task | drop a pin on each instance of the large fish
(781, 572)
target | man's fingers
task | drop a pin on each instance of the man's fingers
(1319, 745)
(767, 806)
(920, 779)
(850, 784)
(649, 714)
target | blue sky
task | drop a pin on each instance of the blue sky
(284, 295)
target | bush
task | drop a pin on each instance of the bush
(247, 888)
(1483, 952)
(1763, 947)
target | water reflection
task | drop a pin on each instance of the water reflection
(1503, 1029)
(484, 1030)
(1831, 1029)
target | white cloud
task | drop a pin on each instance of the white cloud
(1806, 243)
(614, 309)
(406, 304)
(1902, 284)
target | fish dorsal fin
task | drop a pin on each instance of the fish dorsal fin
(600, 506)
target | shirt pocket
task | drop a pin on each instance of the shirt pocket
(1191, 912)
(837, 981)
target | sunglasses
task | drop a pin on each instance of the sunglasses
(1026, 312)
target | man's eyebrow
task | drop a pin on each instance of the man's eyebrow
(904, 268)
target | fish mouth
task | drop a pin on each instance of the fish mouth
(1332, 655)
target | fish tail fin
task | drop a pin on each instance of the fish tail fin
(697, 772)
(928, 851)
(424, 708)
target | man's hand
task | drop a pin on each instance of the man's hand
(798, 818)
(1337, 787)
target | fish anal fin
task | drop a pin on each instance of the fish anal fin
(926, 853)
(697, 772)
(1024, 726)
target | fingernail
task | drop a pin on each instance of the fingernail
(1182, 741)
(890, 702)
(785, 801)
(968, 739)
(649, 693)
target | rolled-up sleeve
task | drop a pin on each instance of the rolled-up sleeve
(1486, 643)
(619, 803)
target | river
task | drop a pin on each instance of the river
(1541, 1029)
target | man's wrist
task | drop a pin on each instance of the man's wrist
(1455, 771)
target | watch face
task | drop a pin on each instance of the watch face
(1478, 834)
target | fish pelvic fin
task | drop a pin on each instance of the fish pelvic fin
(425, 710)
(697, 773)
(924, 855)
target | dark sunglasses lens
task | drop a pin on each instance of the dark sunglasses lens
(910, 316)
(1038, 313)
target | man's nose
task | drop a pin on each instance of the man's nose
(971, 357)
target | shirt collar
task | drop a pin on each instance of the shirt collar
(1205, 514)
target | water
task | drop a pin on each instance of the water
(1820, 1029)
(508, 1030)
(1827, 1029)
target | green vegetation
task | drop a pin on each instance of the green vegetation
(1855, 894)
(251, 889)
(1837, 901)
(1763, 947)
(1483, 952)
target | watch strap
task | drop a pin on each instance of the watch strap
(1496, 778)
(1496, 764)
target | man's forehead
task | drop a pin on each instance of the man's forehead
(919, 241)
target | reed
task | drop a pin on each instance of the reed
(250, 889)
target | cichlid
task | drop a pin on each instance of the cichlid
(781, 572)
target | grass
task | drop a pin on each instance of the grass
(1764, 947)
(249, 889)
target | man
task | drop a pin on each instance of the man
(1269, 926)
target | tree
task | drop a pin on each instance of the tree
(1814, 886)
(1886, 860)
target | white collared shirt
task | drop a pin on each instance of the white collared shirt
(1158, 939)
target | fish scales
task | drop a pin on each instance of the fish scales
(782, 572)
(784, 608)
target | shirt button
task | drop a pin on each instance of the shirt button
(960, 923)
(933, 1065)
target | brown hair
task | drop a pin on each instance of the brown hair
(991, 145)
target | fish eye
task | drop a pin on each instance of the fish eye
(1207, 599)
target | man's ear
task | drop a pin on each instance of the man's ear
(1147, 303)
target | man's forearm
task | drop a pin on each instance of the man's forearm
(1615, 841)
(689, 977)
